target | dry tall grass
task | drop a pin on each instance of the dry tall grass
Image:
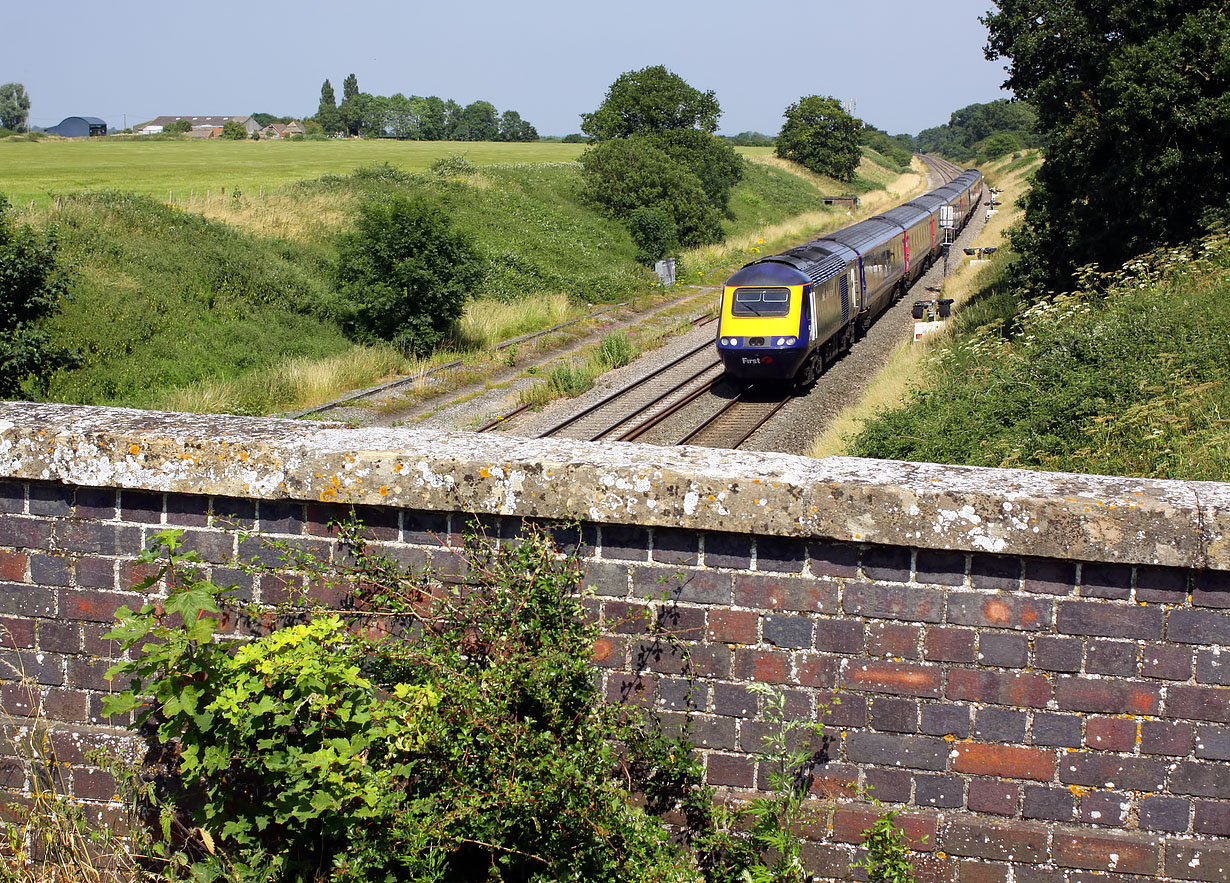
(904, 371)
(286, 214)
(487, 322)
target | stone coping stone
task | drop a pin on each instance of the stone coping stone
(924, 505)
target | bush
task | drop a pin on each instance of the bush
(437, 732)
(714, 162)
(653, 231)
(405, 273)
(179, 127)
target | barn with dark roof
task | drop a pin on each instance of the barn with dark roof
(79, 127)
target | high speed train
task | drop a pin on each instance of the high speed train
(787, 316)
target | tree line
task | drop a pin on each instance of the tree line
(984, 131)
(415, 118)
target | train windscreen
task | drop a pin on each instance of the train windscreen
(761, 302)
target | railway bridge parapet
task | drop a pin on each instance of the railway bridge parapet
(1034, 667)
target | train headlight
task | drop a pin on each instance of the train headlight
(791, 341)
(781, 341)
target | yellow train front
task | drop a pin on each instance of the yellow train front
(781, 316)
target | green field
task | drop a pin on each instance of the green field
(39, 170)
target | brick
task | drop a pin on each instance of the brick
(1212, 818)
(1163, 737)
(762, 666)
(681, 623)
(25, 533)
(13, 566)
(1000, 611)
(1003, 650)
(710, 731)
(1109, 771)
(187, 510)
(976, 871)
(66, 705)
(852, 712)
(1026, 690)
(1108, 808)
(1107, 696)
(801, 594)
(1099, 619)
(696, 586)
(998, 840)
(828, 861)
(659, 656)
(610, 652)
(626, 617)
(1207, 862)
(1165, 814)
(603, 578)
(1047, 576)
(887, 563)
(851, 822)
(893, 715)
(1211, 588)
(1058, 654)
(43, 668)
(16, 633)
(97, 538)
(730, 770)
(1199, 703)
(678, 547)
(682, 694)
(889, 786)
(995, 572)
(1165, 662)
(634, 689)
(840, 635)
(1004, 761)
(1111, 581)
(1200, 779)
(999, 725)
(893, 639)
(733, 626)
(623, 542)
(900, 678)
(894, 602)
(1165, 585)
(939, 791)
(92, 572)
(945, 719)
(780, 554)
(1111, 658)
(816, 670)
(1055, 804)
(940, 567)
(1034, 874)
(731, 550)
(1127, 853)
(913, 752)
(995, 796)
(59, 637)
(26, 600)
(97, 504)
(1213, 667)
(212, 545)
(143, 507)
(1111, 733)
(734, 700)
(54, 569)
(12, 497)
(930, 867)
(50, 498)
(1213, 743)
(1198, 627)
(949, 644)
(85, 673)
(833, 559)
(829, 781)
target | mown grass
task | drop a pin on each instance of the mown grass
(1125, 376)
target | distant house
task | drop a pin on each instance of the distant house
(282, 130)
(79, 127)
(202, 127)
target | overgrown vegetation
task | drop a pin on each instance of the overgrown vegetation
(984, 132)
(1125, 376)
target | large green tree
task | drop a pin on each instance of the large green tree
(820, 135)
(14, 107)
(352, 107)
(327, 114)
(32, 283)
(405, 272)
(651, 100)
(1133, 98)
(477, 122)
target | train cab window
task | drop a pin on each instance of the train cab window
(761, 302)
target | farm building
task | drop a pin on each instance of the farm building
(79, 127)
(202, 126)
(280, 130)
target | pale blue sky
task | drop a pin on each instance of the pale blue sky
(907, 65)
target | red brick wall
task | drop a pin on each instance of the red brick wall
(1038, 720)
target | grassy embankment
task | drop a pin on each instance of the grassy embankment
(224, 303)
(1126, 376)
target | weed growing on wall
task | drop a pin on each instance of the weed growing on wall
(425, 730)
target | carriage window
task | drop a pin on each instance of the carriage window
(761, 302)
